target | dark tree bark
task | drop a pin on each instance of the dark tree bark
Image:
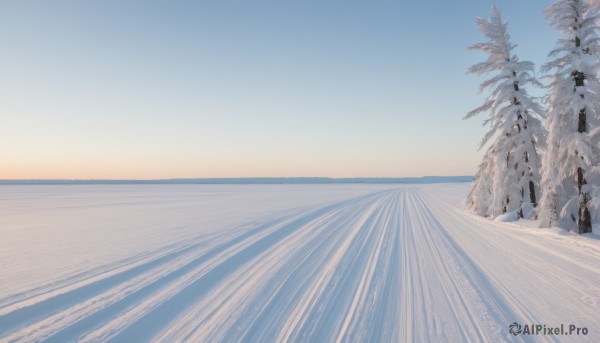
(585, 221)
(532, 196)
(581, 125)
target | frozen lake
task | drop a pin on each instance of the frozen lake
(263, 263)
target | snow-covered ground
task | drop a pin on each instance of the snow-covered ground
(260, 263)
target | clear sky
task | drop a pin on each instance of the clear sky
(158, 89)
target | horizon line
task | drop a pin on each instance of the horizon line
(247, 180)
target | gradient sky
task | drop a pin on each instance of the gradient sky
(146, 89)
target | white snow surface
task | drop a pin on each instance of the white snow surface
(263, 263)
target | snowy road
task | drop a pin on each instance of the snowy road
(398, 264)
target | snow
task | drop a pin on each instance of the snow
(262, 263)
(570, 174)
(508, 178)
(507, 217)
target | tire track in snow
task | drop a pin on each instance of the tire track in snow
(186, 297)
(395, 265)
(19, 314)
(87, 310)
(542, 277)
(237, 283)
(460, 302)
(264, 315)
(145, 290)
(370, 284)
(318, 312)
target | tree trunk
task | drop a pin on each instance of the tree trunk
(585, 221)
(532, 196)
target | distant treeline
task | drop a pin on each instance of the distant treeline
(252, 180)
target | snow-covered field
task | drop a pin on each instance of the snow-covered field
(260, 263)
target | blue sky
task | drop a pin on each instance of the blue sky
(149, 89)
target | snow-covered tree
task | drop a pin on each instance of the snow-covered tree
(510, 170)
(570, 173)
(479, 199)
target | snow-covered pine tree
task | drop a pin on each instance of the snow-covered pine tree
(570, 170)
(510, 169)
(479, 199)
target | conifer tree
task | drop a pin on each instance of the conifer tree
(570, 166)
(510, 170)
